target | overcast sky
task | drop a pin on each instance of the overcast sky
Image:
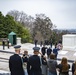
(61, 12)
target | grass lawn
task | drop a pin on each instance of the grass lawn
(1, 43)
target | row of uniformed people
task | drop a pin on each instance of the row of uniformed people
(16, 63)
(37, 65)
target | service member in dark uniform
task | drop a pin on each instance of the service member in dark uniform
(15, 62)
(3, 43)
(34, 64)
(55, 51)
(8, 43)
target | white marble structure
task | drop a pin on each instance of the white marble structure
(18, 41)
(69, 41)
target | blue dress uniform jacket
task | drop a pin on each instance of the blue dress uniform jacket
(55, 51)
(15, 65)
(34, 65)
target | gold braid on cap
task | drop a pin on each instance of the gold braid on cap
(17, 48)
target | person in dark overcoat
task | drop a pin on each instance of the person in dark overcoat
(25, 58)
(51, 43)
(36, 42)
(73, 67)
(3, 43)
(43, 50)
(15, 62)
(8, 43)
(41, 43)
(34, 63)
(49, 50)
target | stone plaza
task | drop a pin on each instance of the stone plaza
(70, 54)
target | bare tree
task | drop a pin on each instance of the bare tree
(23, 18)
(15, 14)
(42, 24)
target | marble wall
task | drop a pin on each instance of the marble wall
(69, 41)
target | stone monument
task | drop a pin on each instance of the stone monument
(69, 42)
(18, 41)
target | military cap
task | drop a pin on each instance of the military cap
(17, 47)
(36, 48)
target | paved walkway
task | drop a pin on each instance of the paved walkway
(70, 54)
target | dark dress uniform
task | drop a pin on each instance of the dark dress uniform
(15, 65)
(34, 65)
(8, 44)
